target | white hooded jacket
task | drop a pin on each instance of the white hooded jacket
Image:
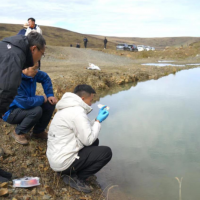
(70, 131)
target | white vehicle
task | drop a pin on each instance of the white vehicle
(153, 48)
(148, 48)
(122, 46)
(141, 48)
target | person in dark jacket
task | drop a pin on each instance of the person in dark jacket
(85, 40)
(16, 53)
(78, 45)
(105, 42)
(23, 31)
(29, 110)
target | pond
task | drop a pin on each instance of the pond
(154, 132)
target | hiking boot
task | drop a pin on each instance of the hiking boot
(3, 179)
(5, 174)
(43, 135)
(21, 139)
(76, 183)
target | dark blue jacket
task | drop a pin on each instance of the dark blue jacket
(26, 98)
(22, 32)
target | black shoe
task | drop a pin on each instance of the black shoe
(77, 183)
(3, 179)
(5, 174)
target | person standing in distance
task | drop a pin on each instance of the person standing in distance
(16, 54)
(85, 40)
(105, 42)
(32, 27)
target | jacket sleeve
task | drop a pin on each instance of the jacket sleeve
(10, 79)
(86, 132)
(39, 30)
(45, 80)
(24, 102)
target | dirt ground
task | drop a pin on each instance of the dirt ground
(67, 68)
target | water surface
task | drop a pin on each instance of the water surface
(154, 132)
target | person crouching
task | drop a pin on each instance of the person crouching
(29, 110)
(72, 147)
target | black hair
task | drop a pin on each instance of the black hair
(84, 90)
(32, 19)
(36, 39)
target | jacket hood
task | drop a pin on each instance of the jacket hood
(21, 42)
(72, 100)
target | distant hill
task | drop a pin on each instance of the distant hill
(56, 36)
(62, 37)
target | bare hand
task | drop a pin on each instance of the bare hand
(45, 98)
(52, 100)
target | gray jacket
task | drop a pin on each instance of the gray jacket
(15, 55)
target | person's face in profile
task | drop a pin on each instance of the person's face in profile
(37, 53)
(31, 23)
(88, 99)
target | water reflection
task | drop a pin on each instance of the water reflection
(153, 130)
(166, 63)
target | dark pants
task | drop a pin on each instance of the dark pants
(38, 117)
(39, 64)
(105, 45)
(92, 159)
(85, 44)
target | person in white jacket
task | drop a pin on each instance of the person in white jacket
(32, 27)
(72, 147)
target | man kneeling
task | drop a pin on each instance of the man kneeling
(27, 109)
(72, 147)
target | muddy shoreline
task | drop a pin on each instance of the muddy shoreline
(106, 81)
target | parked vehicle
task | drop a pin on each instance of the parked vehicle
(122, 46)
(153, 48)
(133, 47)
(141, 48)
(148, 48)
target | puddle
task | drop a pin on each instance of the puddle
(194, 64)
(163, 64)
(166, 61)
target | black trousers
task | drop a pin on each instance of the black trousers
(38, 117)
(85, 44)
(105, 45)
(92, 159)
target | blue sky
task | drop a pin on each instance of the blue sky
(128, 18)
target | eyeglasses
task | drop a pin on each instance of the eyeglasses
(43, 55)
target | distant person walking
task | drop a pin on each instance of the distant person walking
(105, 42)
(32, 26)
(85, 40)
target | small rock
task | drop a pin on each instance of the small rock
(4, 185)
(28, 162)
(1, 152)
(64, 189)
(46, 197)
(33, 192)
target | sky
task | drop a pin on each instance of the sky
(124, 18)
